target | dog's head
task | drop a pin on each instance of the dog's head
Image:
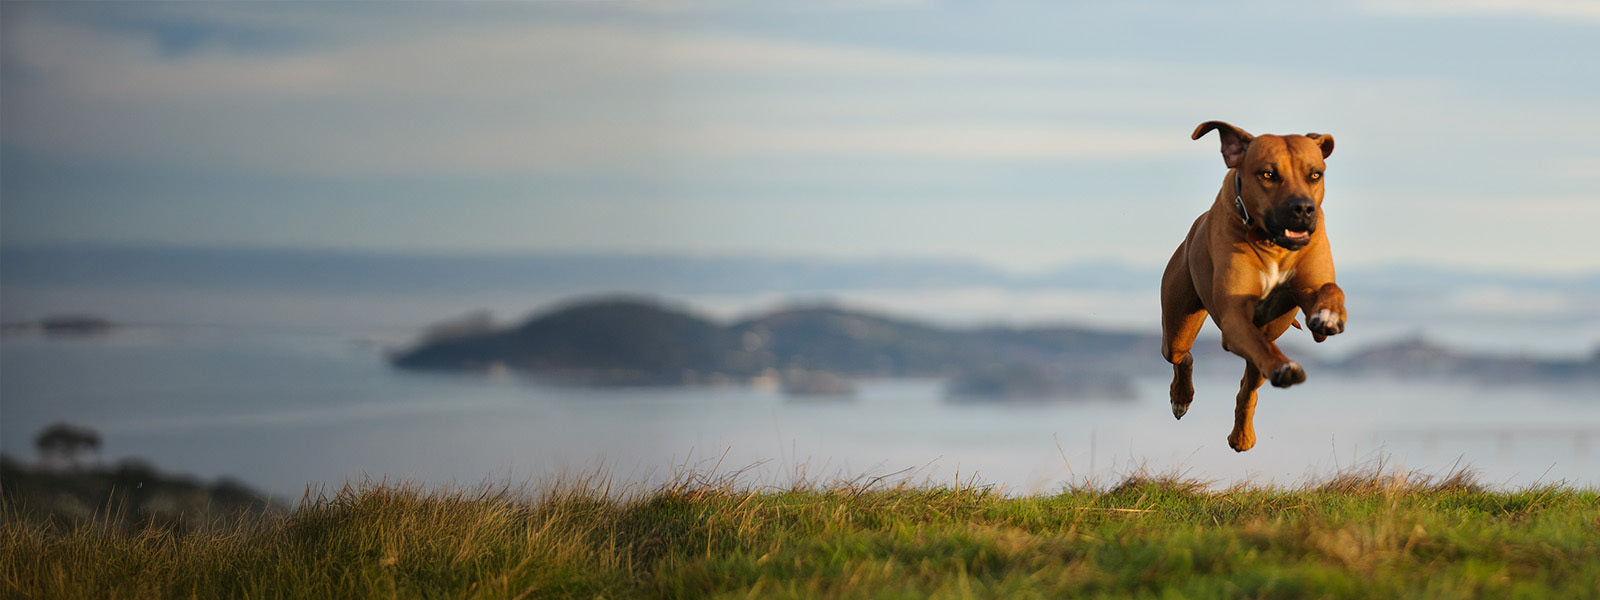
(1279, 180)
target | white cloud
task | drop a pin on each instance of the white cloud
(681, 99)
(534, 96)
(1525, 231)
(456, 62)
(1005, 142)
(1585, 169)
(516, 98)
(1586, 10)
(67, 61)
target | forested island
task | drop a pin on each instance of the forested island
(805, 350)
(622, 341)
(65, 326)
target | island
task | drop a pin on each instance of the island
(65, 326)
(821, 350)
(1417, 356)
(815, 350)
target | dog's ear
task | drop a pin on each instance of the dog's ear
(1324, 140)
(1234, 140)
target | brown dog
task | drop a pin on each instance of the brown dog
(1259, 254)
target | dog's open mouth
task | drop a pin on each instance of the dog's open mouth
(1293, 239)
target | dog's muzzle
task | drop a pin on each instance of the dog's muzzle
(1291, 224)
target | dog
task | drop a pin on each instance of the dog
(1259, 255)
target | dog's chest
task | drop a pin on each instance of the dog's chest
(1273, 276)
(1277, 299)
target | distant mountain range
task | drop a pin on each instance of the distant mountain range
(630, 341)
(317, 270)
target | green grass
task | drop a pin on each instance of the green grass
(1364, 535)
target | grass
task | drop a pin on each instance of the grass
(1369, 534)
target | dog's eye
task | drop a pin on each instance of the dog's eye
(1268, 175)
(1315, 176)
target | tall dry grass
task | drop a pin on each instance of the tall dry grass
(1360, 534)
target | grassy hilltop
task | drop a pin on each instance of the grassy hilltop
(1377, 535)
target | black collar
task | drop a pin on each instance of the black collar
(1244, 215)
(1238, 199)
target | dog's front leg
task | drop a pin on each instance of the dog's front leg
(1324, 309)
(1241, 336)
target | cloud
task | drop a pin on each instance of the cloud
(1584, 169)
(1527, 231)
(469, 95)
(531, 106)
(1584, 10)
(520, 97)
(978, 142)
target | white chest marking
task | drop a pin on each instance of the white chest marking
(1272, 277)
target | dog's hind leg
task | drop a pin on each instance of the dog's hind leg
(1182, 316)
(1175, 346)
(1243, 436)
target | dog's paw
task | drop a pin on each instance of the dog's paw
(1242, 440)
(1182, 393)
(1287, 375)
(1324, 323)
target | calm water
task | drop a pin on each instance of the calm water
(283, 409)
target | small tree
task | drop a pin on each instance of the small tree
(66, 446)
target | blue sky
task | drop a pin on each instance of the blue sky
(1022, 135)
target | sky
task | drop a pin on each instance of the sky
(1022, 135)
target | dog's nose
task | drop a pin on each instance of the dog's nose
(1302, 208)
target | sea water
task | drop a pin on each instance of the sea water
(284, 409)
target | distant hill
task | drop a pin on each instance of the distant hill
(607, 342)
(1418, 357)
(631, 341)
(131, 495)
(837, 340)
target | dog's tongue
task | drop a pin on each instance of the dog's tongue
(1295, 235)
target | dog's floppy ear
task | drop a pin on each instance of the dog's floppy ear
(1324, 140)
(1234, 140)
